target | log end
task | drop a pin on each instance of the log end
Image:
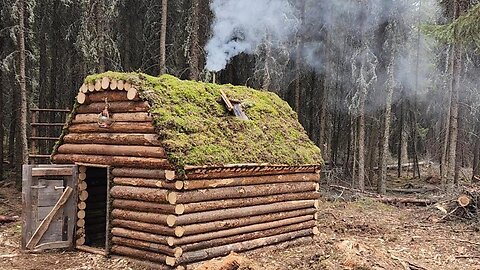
(113, 84)
(179, 231)
(81, 97)
(131, 93)
(464, 200)
(91, 87)
(317, 187)
(82, 169)
(127, 86)
(178, 252)
(98, 85)
(316, 231)
(179, 209)
(169, 175)
(171, 220)
(315, 216)
(170, 261)
(80, 241)
(171, 241)
(81, 223)
(105, 82)
(82, 205)
(120, 84)
(83, 88)
(179, 185)
(172, 197)
(81, 214)
(317, 204)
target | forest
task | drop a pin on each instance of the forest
(373, 82)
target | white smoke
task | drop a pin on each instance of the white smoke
(241, 25)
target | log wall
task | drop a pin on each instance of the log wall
(176, 221)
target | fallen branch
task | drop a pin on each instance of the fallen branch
(7, 219)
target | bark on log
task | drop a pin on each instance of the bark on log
(116, 127)
(154, 247)
(143, 182)
(148, 163)
(230, 203)
(153, 218)
(251, 180)
(113, 138)
(139, 193)
(143, 173)
(249, 236)
(245, 172)
(241, 212)
(189, 257)
(144, 227)
(115, 107)
(148, 207)
(172, 241)
(155, 238)
(117, 117)
(113, 150)
(142, 254)
(238, 222)
(240, 192)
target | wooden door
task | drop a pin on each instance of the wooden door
(49, 198)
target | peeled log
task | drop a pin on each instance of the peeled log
(189, 257)
(113, 138)
(113, 150)
(144, 173)
(251, 180)
(149, 163)
(115, 127)
(238, 222)
(154, 247)
(144, 227)
(148, 207)
(153, 218)
(230, 203)
(139, 193)
(241, 230)
(242, 212)
(143, 182)
(115, 107)
(139, 254)
(117, 117)
(155, 238)
(304, 224)
(247, 172)
(240, 192)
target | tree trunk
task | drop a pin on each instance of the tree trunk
(361, 140)
(194, 41)
(23, 84)
(100, 27)
(298, 57)
(163, 37)
(476, 155)
(2, 131)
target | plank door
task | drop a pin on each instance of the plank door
(49, 198)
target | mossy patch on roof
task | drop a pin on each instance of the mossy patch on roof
(196, 128)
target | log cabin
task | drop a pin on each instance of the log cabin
(174, 172)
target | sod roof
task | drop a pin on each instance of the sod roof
(196, 128)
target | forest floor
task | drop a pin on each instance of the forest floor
(354, 234)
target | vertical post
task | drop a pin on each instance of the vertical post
(33, 143)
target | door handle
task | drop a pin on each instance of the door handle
(59, 187)
(37, 187)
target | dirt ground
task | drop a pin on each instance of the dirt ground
(363, 234)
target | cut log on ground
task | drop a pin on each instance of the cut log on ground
(241, 212)
(240, 192)
(194, 256)
(238, 222)
(116, 117)
(143, 173)
(148, 206)
(154, 218)
(139, 193)
(142, 254)
(7, 219)
(115, 107)
(144, 182)
(230, 203)
(150, 237)
(172, 241)
(154, 247)
(148, 163)
(113, 150)
(145, 227)
(113, 138)
(115, 127)
(250, 180)
(249, 236)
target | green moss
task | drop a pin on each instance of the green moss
(196, 129)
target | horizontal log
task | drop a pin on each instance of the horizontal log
(238, 222)
(240, 192)
(172, 241)
(251, 180)
(249, 236)
(115, 127)
(113, 138)
(115, 107)
(246, 172)
(142, 254)
(239, 202)
(154, 218)
(155, 238)
(148, 207)
(153, 163)
(193, 256)
(139, 193)
(143, 173)
(145, 227)
(154, 247)
(241, 212)
(113, 150)
(116, 117)
(111, 96)
(144, 182)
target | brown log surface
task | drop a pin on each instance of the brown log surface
(154, 218)
(113, 150)
(116, 117)
(115, 107)
(115, 127)
(154, 247)
(113, 138)
(155, 238)
(153, 163)
(139, 254)
(144, 182)
(143, 227)
(143, 173)
(247, 171)
(150, 207)
(112, 96)
(139, 193)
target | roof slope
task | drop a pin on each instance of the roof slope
(196, 128)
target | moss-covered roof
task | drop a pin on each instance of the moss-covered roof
(196, 128)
